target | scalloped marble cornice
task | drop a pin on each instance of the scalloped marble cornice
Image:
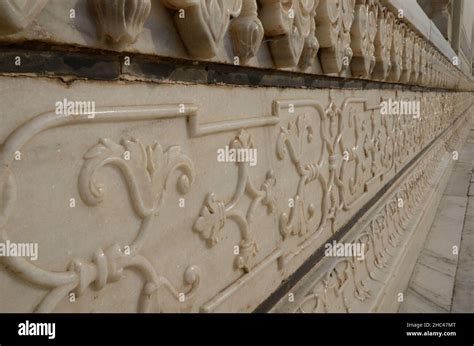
(346, 38)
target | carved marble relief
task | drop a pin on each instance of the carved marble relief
(416, 60)
(359, 150)
(215, 214)
(363, 32)
(383, 43)
(333, 26)
(396, 53)
(247, 31)
(354, 285)
(16, 15)
(119, 22)
(290, 26)
(146, 174)
(202, 25)
(408, 46)
(292, 140)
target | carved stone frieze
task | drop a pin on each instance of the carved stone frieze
(352, 284)
(330, 152)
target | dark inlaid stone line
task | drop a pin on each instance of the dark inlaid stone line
(83, 63)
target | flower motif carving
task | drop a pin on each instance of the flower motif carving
(333, 29)
(202, 25)
(119, 22)
(215, 213)
(396, 52)
(291, 27)
(290, 140)
(383, 43)
(351, 283)
(146, 171)
(363, 32)
(247, 31)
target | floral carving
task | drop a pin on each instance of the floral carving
(290, 25)
(333, 27)
(202, 25)
(119, 22)
(215, 213)
(247, 31)
(383, 43)
(146, 170)
(352, 284)
(363, 32)
(408, 46)
(396, 52)
(292, 140)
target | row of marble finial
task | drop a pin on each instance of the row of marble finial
(359, 38)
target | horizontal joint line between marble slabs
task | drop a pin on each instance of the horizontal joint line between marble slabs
(230, 290)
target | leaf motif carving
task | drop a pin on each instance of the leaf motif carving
(146, 171)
